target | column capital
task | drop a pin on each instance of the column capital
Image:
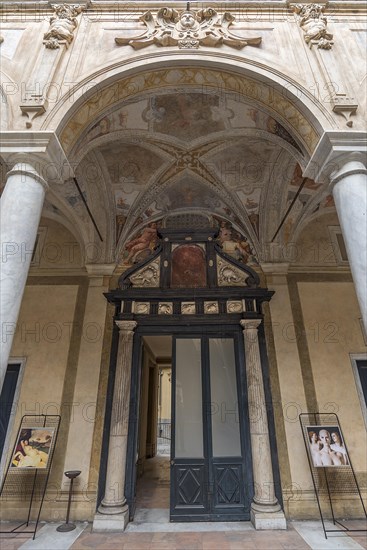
(332, 151)
(250, 324)
(349, 165)
(41, 150)
(24, 168)
(126, 326)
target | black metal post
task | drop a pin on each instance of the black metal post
(65, 527)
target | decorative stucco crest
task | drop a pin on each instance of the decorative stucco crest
(187, 29)
(313, 23)
(62, 25)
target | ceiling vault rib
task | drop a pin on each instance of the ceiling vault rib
(88, 209)
(289, 209)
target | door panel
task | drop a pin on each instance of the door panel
(188, 398)
(228, 483)
(207, 454)
(224, 401)
(189, 495)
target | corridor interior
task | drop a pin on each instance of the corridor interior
(154, 439)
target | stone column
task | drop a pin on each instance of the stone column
(20, 213)
(350, 195)
(266, 512)
(113, 513)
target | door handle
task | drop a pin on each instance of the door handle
(172, 462)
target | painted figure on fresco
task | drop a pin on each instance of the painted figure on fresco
(236, 245)
(142, 245)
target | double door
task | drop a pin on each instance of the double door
(210, 452)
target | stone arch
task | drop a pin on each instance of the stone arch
(289, 101)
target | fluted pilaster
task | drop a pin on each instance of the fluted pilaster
(114, 501)
(264, 501)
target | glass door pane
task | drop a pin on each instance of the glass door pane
(188, 417)
(224, 402)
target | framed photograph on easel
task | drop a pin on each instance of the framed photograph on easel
(326, 446)
(32, 448)
(331, 468)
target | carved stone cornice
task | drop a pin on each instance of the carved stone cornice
(187, 29)
(313, 22)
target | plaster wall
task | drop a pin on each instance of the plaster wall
(331, 316)
(93, 54)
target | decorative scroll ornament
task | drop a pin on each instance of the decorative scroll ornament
(62, 26)
(142, 307)
(165, 308)
(188, 308)
(313, 23)
(188, 29)
(211, 307)
(147, 276)
(234, 307)
(229, 275)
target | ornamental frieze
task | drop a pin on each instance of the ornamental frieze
(187, 29)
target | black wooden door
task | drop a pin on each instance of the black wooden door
(210, 453)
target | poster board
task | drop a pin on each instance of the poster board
(326, 446)
(29, 465)
(330, 465)
(32, 447)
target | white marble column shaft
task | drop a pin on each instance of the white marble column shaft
(265, 510)
(350, 196)
(114, 501)
(20, 211)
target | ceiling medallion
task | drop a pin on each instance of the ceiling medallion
(187, 29)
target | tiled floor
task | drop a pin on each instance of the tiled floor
(289, 540)
(152, 530)
(230, 540)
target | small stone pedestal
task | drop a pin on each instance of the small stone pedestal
(263, 520)
(111, 523)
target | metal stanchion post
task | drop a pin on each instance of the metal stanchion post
(71, 474)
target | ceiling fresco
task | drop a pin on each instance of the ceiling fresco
(175, 151)
(144, 242)
(184, 80)
(187, 116)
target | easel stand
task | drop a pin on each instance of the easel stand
(334, 480)
(30, 482)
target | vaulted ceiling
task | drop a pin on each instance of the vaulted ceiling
(212, 153)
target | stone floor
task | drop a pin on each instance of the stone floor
(151, 529)
(299, 535)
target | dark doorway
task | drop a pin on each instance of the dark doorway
(6, 400)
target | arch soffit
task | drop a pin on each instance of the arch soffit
(281, 96)
(220, 140)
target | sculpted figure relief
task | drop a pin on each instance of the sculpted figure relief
(313, 23)
(62, 25)
(187, 29)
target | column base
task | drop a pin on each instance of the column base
(114, 522)
(270, 517)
